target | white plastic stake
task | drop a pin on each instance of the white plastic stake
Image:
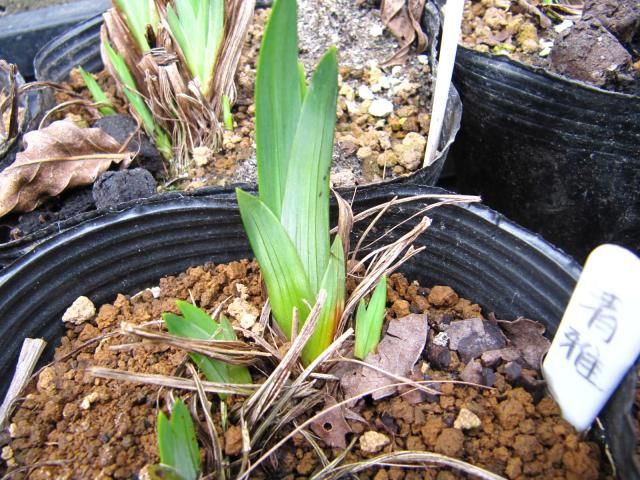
(446, 60)
(598, 339)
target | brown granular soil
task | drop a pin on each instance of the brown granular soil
(69, 425)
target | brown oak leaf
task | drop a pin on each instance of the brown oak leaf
(398, 352)
(331, 427)
(56, 158)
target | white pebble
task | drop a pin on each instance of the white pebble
(80, 311)
(381, 108)
(376, 30)
(365, 92)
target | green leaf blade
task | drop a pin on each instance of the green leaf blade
(277, 98)
(333, 283)
(177, 443)
(369, 321)
(305, 210)
(99, 96)
(284, 275)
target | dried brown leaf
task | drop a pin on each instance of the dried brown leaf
(55, 158)
(527, 336)
(332, 427)
(398, 352)
(402, 19)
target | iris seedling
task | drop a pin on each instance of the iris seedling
(177, 445)
(369, 321)
(288, 225)
(197, 324)
(174, 60)
(104, 104)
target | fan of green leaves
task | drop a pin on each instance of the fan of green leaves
(288, 225)
(198, 324)
(177, 445)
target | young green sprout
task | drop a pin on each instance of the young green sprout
(288, 225)
(369, 321)
(174, 60)
(177, 445)
(104, 104)
(226, 113)
(196, 323)
(198, 26)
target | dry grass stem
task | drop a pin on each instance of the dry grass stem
(29, 355)
(171, 382)
(234, 352)
(257, 405)
(216, 449)
(386, 262)
(314, 418)
(453, 198)
(406, 459)
(282, 410)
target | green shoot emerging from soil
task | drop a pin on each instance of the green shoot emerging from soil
(369, 321)
(195, 323)
(101, 99)
(177, 445)
(288, 225)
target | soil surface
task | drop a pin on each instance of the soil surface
(70, 425)
(597, 42)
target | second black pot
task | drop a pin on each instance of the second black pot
(558, 156)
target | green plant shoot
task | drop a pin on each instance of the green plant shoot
(139, 15)
(177, 443)
(162, 140)
(196, 323)
(226, 113)
(288, 225)
(369, 321)
(104, 104)
(198, 27)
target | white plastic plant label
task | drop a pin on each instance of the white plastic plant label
(598, 339)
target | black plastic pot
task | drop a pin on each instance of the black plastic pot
(81, 46)
(558, 156)
(23, 34)
(475, 250)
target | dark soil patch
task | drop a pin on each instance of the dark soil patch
(106, 429)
